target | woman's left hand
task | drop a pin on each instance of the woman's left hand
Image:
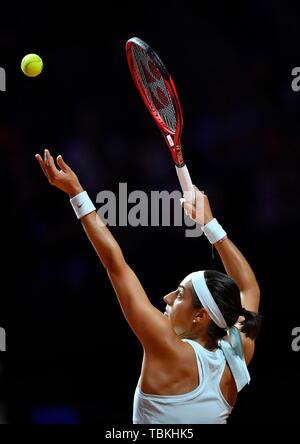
(199, 211)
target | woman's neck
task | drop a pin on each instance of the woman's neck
(208, 343)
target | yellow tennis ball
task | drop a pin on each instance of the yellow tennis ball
(32, 65)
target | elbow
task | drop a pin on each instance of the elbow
(257, 298)
(252, 288)
(250, 298)
(257, 292)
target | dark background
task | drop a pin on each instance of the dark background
(71, 356)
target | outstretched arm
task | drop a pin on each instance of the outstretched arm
(240, 271)
(148, 323)
(234, 262)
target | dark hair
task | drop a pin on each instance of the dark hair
(227, 297)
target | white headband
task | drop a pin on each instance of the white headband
(206, 299)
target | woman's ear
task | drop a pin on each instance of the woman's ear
(201, 315)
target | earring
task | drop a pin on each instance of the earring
(194, 321)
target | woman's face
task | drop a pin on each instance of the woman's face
(180, 308)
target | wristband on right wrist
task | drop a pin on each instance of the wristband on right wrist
(214, 231)
(82, 204)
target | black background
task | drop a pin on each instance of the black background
(71, 356)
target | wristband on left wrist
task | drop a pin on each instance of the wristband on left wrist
(214, 231)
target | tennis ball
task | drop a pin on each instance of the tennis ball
(32, 65)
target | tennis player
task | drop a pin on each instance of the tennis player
(196, 353)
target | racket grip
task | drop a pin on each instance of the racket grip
(186, 183)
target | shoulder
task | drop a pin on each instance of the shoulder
(171, 373)
(175, 350)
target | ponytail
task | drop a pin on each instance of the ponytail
(252, 323)
(227, 297)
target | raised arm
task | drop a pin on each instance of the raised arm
(234, 262)
(239, 270)
(148, 323)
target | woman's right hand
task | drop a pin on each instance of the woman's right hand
(199, 211)
(65, 179)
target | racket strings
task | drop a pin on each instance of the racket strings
(152, 83)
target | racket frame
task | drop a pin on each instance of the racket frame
(172, 138)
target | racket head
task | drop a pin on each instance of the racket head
(158, 92)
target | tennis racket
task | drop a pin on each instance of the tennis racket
(159, 94)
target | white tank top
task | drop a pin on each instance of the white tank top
(203, 405)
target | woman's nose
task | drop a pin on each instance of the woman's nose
(168, 298)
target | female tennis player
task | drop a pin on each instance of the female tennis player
(196, 353)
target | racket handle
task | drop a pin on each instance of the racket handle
(186, 183)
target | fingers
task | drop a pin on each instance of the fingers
(185, 203)
(48, 166)
(42, 165)
(194, 210)
(187, 206)
(197, 190)
(62, 164)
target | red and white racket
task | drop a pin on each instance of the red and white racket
(160, 96)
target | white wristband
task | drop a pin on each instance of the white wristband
(82, 204)
(213, 231)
